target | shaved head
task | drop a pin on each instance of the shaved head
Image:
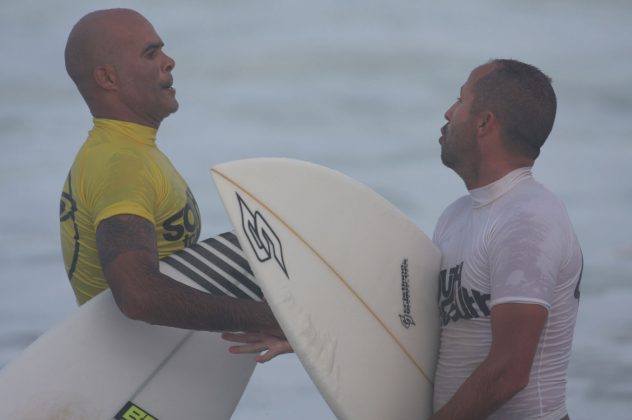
(94, 40)
(116, 60)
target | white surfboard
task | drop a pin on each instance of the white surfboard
(99, 364)
(352, 281)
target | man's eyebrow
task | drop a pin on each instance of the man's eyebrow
(153, 46)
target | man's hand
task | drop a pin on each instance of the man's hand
(269, 346)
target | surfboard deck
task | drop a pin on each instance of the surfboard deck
(351, 280)
(98, 364)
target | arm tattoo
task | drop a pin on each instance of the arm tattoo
(143, 293)
(123, 233)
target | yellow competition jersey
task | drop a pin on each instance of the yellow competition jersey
(119, 170)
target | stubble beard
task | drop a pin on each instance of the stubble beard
(457, 146)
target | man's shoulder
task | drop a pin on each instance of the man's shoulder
(98, 153)
(452, 213)
(457, 206)
(533, 196)
(532, 204)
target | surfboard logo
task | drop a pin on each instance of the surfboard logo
(405, 317)
(264, 242)
(133, 412)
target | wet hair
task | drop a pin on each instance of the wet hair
(522, 99)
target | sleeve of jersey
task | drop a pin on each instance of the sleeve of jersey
(127, 187)
(526, 253)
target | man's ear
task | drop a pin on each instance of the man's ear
(105, 77)
(486, 122)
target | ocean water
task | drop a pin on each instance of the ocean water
(359, 86)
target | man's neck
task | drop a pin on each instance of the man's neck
(492, 170)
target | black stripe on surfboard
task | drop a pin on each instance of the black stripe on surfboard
(206, 264)
(211, 251)
(227, 248)
(231, 237)
(233, 255)
(187, 272)
(228, 283)
(211, 280)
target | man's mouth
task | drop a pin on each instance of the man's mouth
(169, 88)
(443, 132)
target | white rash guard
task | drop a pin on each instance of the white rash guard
(510, 241)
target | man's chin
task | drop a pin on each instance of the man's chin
(447, 161)
(172, 107)
(168, 111)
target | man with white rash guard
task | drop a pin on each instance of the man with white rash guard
(511, 263)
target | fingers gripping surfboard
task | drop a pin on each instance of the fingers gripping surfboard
(351, 280)
(100, 365)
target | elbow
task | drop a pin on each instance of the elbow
(510, 374)
(521, 382)
(131, 312)
(132, 306)
(517, 378)
(134, 295)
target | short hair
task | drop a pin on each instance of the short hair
(522, 99)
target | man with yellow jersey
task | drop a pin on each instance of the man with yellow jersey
(124, 206)
(119, 170)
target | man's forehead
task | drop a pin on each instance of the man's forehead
(138, 37)
(481, 71)
(476, 75)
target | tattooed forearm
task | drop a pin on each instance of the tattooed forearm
(123, 233)
(129, 258)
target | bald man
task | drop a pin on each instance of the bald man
(124, 206)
